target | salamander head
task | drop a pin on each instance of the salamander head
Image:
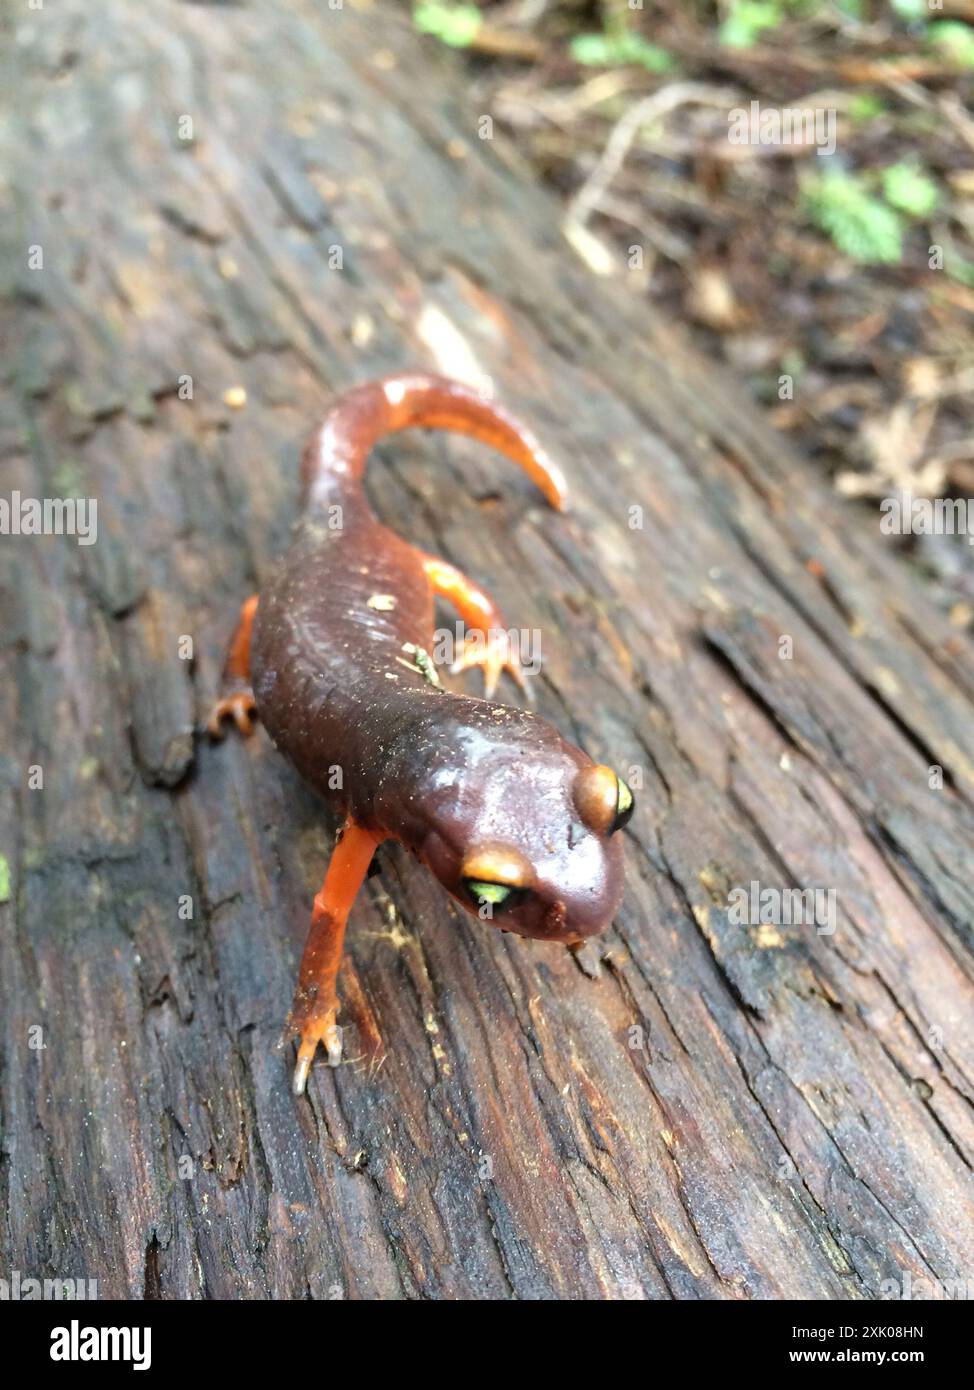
(526, 838)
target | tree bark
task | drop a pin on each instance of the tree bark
(693, 1109)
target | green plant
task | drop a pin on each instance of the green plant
(962, 271)
(614, 49)
(866, 106)
(455, 25)
(860, 224)
(910, 189)
(911, 10)
(747, 21)
(956, 38)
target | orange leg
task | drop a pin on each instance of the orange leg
(239, 704)
(488, 644)
(315, 1004)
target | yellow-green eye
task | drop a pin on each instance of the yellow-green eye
(625, 805)
(497, 895)
(602, 799)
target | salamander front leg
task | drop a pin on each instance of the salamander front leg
(488, 643)
(315, 1004)
(239, 704)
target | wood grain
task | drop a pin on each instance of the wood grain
(695, 1109)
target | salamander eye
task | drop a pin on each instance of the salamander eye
(496, 877)
(604, 801)
(497, 896)
(625, 805)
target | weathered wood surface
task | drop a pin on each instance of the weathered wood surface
(798, 1119)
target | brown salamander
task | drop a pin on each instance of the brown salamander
(516, 823)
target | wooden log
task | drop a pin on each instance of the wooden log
(242, 210)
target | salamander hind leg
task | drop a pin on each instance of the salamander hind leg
(238, 704)
(316, 1003)
(488, 641)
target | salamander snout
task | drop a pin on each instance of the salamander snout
(560, 878)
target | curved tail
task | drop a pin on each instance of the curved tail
(362, 416)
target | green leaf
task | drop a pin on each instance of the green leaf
(866, 106)
(911, 10)
(861, 225)
(456, 25)
(747, 21)
(648, 55)
(956, 39)
(960, 270)
(4, 880)
(615, 50)
(591, 49)
(793, 363)
(910, 188)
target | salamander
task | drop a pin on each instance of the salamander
(333, 656)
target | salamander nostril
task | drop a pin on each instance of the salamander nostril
(555, 918)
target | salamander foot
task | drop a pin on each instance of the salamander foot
(241, 707)
(314, 1026)
(494, 652)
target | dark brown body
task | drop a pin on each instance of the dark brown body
(332, 650)
(516, 823)
(411, 760)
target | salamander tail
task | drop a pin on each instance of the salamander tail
(338, 451)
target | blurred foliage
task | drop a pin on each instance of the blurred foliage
(862, 224)
(455, 25)
(955, 39)
(841, 257)
(748, 19)
(859, 223)
(911, 190)
(615, 49)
